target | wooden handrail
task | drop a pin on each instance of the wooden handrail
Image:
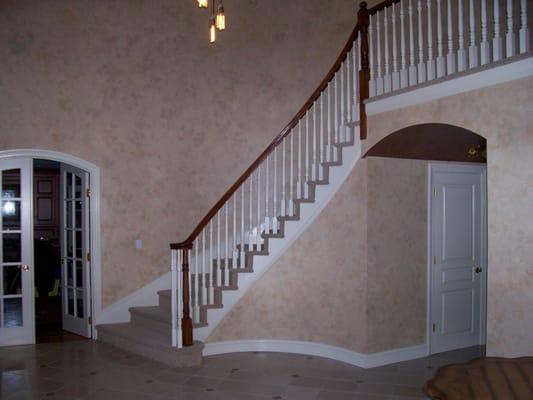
(361, 25)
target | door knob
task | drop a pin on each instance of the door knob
(478, 270)
(25, 267)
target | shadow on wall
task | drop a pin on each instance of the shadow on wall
(439, 142)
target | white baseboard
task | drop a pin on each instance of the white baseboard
(146, 296)
(320, 350)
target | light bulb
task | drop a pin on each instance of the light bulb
(221, 18)
(202, 3)
(212, 30)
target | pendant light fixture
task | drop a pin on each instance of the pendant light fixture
(217, 21)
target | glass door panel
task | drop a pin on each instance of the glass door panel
(74, 250)
(16, 275)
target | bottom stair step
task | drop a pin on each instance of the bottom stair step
(150, 344)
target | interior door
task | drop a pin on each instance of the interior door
(75, 258)
(457, 246)
(16, 274)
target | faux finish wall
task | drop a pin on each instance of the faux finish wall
(135, 88)
(502, 114)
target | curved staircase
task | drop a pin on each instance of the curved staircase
(394, 46)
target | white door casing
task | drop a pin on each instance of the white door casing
(75, 245)
(457, 256)
(16, 253)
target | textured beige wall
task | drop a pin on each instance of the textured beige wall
(397, 253)
(316, 291)
(502, 114)
(134, 87)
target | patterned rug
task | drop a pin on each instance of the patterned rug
(491, 378)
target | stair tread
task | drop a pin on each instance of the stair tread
(139, 335)
(154, 312)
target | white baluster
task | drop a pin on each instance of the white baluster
(219, 253)
(510, 45)
(372, 83)
(441, 61)
(431, 60)
(395, 69)
(484, 46)
(299, 182)
(283, 205)
(461, 52)
(404, 77)
(497, 44)
(524, 30)
(258, 231)
(234, 238)
(421, 60)
(203, 299)
(472, 49)
(450, 57)
(179, 297)
(336, 106)
(267, 200)
(251, 239)
(243, 240)
(321, 141)
(306, 167)
(355, 70)
(211, 291)
(331, 122)
(226, 247)
(291, 175)
(413, 79)
(387, 79)
(275, 194)
(379, 74)
(195, 289)
(342, 90)
(175, 342)
(315, 158)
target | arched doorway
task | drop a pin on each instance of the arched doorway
(76, 212)
(427, 185)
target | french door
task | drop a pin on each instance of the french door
(75, 256)
(16, 260)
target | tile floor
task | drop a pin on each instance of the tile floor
(91, 370)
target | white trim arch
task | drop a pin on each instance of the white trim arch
(95, 205)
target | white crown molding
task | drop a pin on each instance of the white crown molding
(370, 360)
(451, 85)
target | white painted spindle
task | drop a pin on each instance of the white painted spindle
(472, 49)
(291, 175)
(379, 73)
(299, 183)
(210, 266)
(258, 230)
(421, 61)
(218, 275)
(275, 194)
(226, 246)
(450, 57)
(412, 67)
(283, 204)
(372, 83)
(336, 106)
(510, 45)
(306, 167)
(203, 299)
(196, 288)
(315, 159)
(441, 61)
(404, 76)
(395, 68)
(497, 39)
(431, 60)
(251, 221)
(267, 200)
(242, 241)
(524, 30)
(484, 45)
(461, 52)
(175, 341)
(387, 78)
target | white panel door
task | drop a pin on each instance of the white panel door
(16, 246)
(457, 246)
(75, 260)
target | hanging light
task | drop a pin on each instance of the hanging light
(221, 18)
(202, 3)
(212, 30)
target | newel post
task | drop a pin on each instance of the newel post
(186, 321)
(363, 21)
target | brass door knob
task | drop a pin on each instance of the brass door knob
(478, 270)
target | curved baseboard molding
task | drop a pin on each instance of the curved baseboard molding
(320, 350)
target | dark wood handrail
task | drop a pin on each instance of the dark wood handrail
(363, 11)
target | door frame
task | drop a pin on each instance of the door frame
(458, 167)
(94, 209)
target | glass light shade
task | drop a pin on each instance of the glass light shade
(212, 33)
(221, 18)
(202, 3)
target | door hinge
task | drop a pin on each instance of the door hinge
(435, 191)
(89, 257)
(88, 192)
(90, 320)
(433, 327)
(434, 259)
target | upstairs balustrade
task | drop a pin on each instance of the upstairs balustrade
(394, 45)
